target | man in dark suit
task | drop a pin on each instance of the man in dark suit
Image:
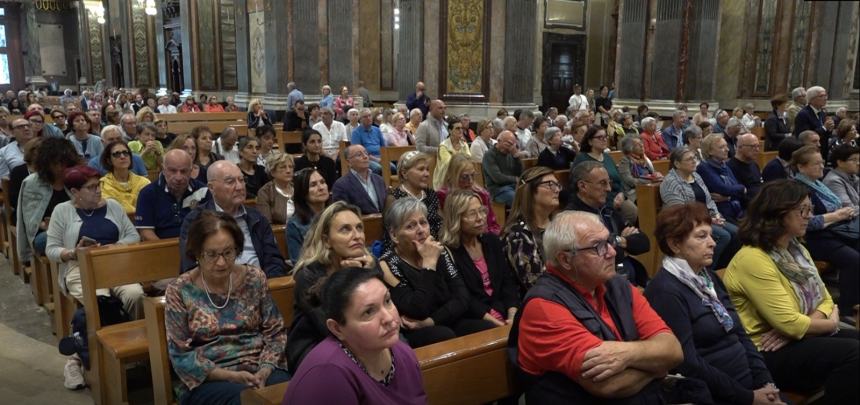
(360, 187)
(813, 118)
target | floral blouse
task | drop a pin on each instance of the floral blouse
(245, 335)
(524, 252)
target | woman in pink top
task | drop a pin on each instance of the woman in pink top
(493, 291)
(398, 136)
(652, 140)
(462, 175)
(343, 103)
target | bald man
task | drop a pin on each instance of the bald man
(502, 168)
(745, 167)
(433, 130)
(163, 205)
(227, 194)
(418, 99)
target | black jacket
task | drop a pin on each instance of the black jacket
(637, 243)
(776, 129)
(505, 287)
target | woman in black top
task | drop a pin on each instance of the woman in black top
(493, 291)
(334, 242)
(255, 175)
(205, 156)
(313, 157)
(424, 281)
(555, 156)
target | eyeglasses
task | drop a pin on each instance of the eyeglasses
(209, 256)
(32, 121)
(121, 153)
(602, 183)
(474, 215)
(600, 137)
(359, 154)
(468, 176)
(601, 248)
(550, 184)
(92, 188)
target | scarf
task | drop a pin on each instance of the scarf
(800, 271)
(702, 285)
(831, 201)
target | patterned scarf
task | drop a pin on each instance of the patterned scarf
(794, 263)
(702, 285)
(830, 200)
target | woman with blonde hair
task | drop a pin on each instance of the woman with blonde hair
(461, 176)
(493, 292)
(398, 135)
(257, 116)
(145, 114)
(413, 168)
(535, 201)
(334, 241)
(454, 145)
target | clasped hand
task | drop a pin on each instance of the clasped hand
(605, 361)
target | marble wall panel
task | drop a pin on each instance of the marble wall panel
(844, 39)
(306, 71)
(227, 34)
(765, 41)
(368, 43)
(701, 68)
(667, 41)
(97, 61)
(634, 16)
(257, 50)
(465, 47)
(519, 36)
(340, 44)
(386, 45)
(206, 54)
(411, 52)
(827, 11)
(799, 43)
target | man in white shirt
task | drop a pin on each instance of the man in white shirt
(12, 155)
(332, 132)
(577, 101)
(523, 131)
(225, 145)
(164, 106)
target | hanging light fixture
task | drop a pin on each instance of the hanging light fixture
(97, 10)
(150, 8)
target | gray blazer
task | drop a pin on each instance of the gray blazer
(675, 190)
(845, 186)
(429, 135)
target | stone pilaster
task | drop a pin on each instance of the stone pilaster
(340, 45)
(410, 60)
(277, 64)
(519, 35)
(305, 45)
(30, 46)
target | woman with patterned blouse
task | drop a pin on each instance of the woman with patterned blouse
(535, 201)
(413, 168)
(425, 284)
(224, 332)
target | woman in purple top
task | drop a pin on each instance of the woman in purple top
(364, 361)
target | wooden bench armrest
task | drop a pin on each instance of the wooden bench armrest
(273, 394)
(439, 354)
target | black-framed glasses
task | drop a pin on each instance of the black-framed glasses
(229, 256)
(601, 247)
(120, 153)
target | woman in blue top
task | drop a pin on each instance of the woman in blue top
(725, 189)
(310, 197)
(594, 146)
(823, 243)
(695, 304)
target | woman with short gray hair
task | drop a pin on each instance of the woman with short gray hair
(425, 285)
(554, 156)
(635, 168)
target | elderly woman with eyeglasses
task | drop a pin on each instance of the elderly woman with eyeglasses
(424, 281)
(454, 145)
(493, 291)
(535, 202)
(461, 176)
(224, 332)
(782, 302)
(683, 185)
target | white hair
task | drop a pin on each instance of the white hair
(648, 121)
(814, 92)
(797, 92)
(560, 234)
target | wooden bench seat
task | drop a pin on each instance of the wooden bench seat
(183, 123)
(124, 340)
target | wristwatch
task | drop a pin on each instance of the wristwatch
(618, 240)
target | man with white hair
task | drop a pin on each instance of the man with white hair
(733, 128)
(585, 334)
(812, 117)
(798, 101)
(332, 132)
(294, 94)
(113, 133)
(673, 136)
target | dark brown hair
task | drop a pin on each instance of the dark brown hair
(675, 223)
(208, 224)
(762, 226)
(105, 158)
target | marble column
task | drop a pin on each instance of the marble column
(305, 45)
(701, 60)
(243, 55)
(431, 45)
(836, 29)
(160, 55)
(278, 69)
(497, 51)
(519, 37)
(30, 46)
(631, 48)
(188, 45)
(410, 60)
(668, 33)
(340, 44)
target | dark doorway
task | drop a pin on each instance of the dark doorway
(563, 65)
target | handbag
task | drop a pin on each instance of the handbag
(847, 230)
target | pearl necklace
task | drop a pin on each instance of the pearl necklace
(229, 290)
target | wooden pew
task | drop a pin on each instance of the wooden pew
(528, 163)
(11, 231)
(391, 154)
(373, 228)
(113, 346)
(280, 232)
(616, 156)
(64, 305)
(648, 201)
(472, 369)
(479, 174)
(765, 157)
(282, 291)
(286, 141)
(759, 132)
(183, 123)
(661, 166)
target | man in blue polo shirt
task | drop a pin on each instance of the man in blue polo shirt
(163, 205)
(370, 137)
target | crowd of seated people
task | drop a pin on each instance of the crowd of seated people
(561, 268)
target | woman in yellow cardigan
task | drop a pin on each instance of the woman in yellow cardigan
(120, 183)
(782, 302)
(454, 145)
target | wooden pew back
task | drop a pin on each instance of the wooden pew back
(373, 228)
(649, 204)
(765, 157)
(391, 154)
(285, 140)
(183, 123)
